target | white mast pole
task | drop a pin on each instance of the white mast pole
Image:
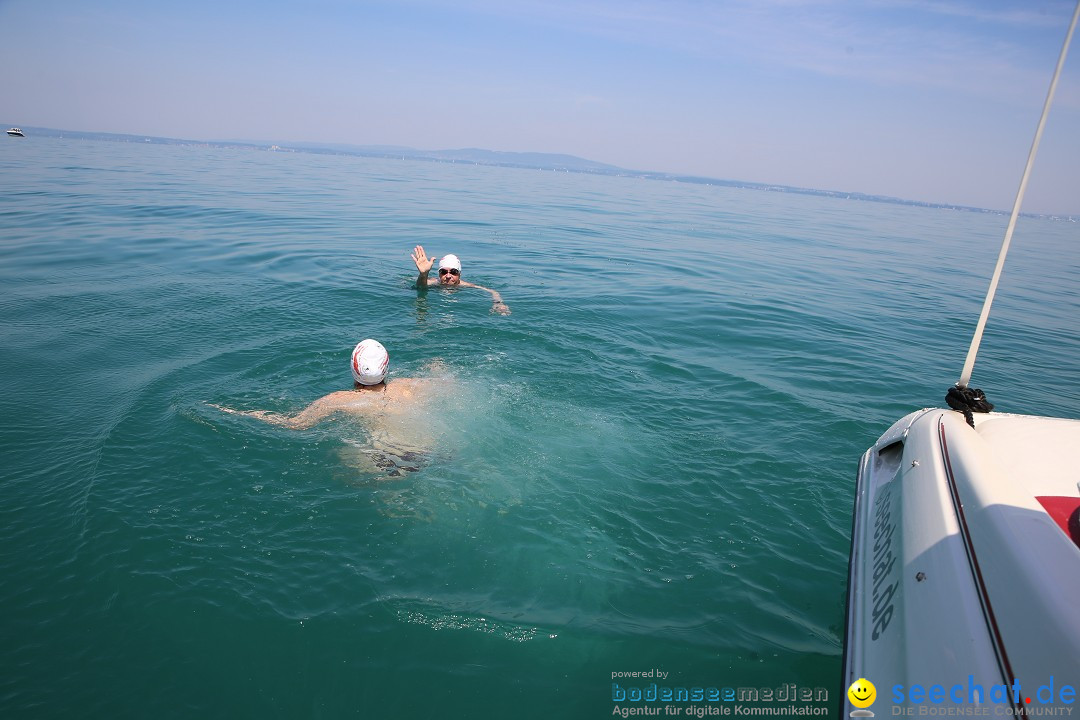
(969, 363)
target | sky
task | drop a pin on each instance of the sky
(927, 100)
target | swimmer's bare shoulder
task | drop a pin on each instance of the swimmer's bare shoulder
(355, 398)
(395, 396)
(408, 390)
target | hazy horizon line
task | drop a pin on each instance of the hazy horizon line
(598, 168)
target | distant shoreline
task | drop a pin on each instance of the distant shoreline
(528, 161)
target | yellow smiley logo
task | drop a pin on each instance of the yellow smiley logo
(862, 693)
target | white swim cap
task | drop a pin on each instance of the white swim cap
(369, 362)
(450, 261)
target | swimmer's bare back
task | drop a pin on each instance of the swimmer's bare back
(393, 396)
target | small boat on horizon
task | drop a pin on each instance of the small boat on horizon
(15, 132)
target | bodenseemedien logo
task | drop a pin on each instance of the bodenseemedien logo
(862, 695)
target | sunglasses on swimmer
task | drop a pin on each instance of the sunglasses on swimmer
(451, 271)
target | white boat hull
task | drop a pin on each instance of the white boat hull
(960, 578)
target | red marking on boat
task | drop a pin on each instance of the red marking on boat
(1065, 511)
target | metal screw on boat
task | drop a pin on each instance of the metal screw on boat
(914, 463)
(920, 576)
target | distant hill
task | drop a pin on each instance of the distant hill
(541, 161)
(545, 161)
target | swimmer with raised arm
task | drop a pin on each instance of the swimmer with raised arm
(450, 276)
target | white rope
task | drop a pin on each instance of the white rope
(965, 376)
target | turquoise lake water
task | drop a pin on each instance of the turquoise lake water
(648, 465)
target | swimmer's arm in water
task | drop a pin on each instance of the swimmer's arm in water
(310, 416)
(497, 304)
(423, 264)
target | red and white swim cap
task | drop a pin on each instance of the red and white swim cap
(369, 362)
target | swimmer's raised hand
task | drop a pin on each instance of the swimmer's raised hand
(423, 262)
